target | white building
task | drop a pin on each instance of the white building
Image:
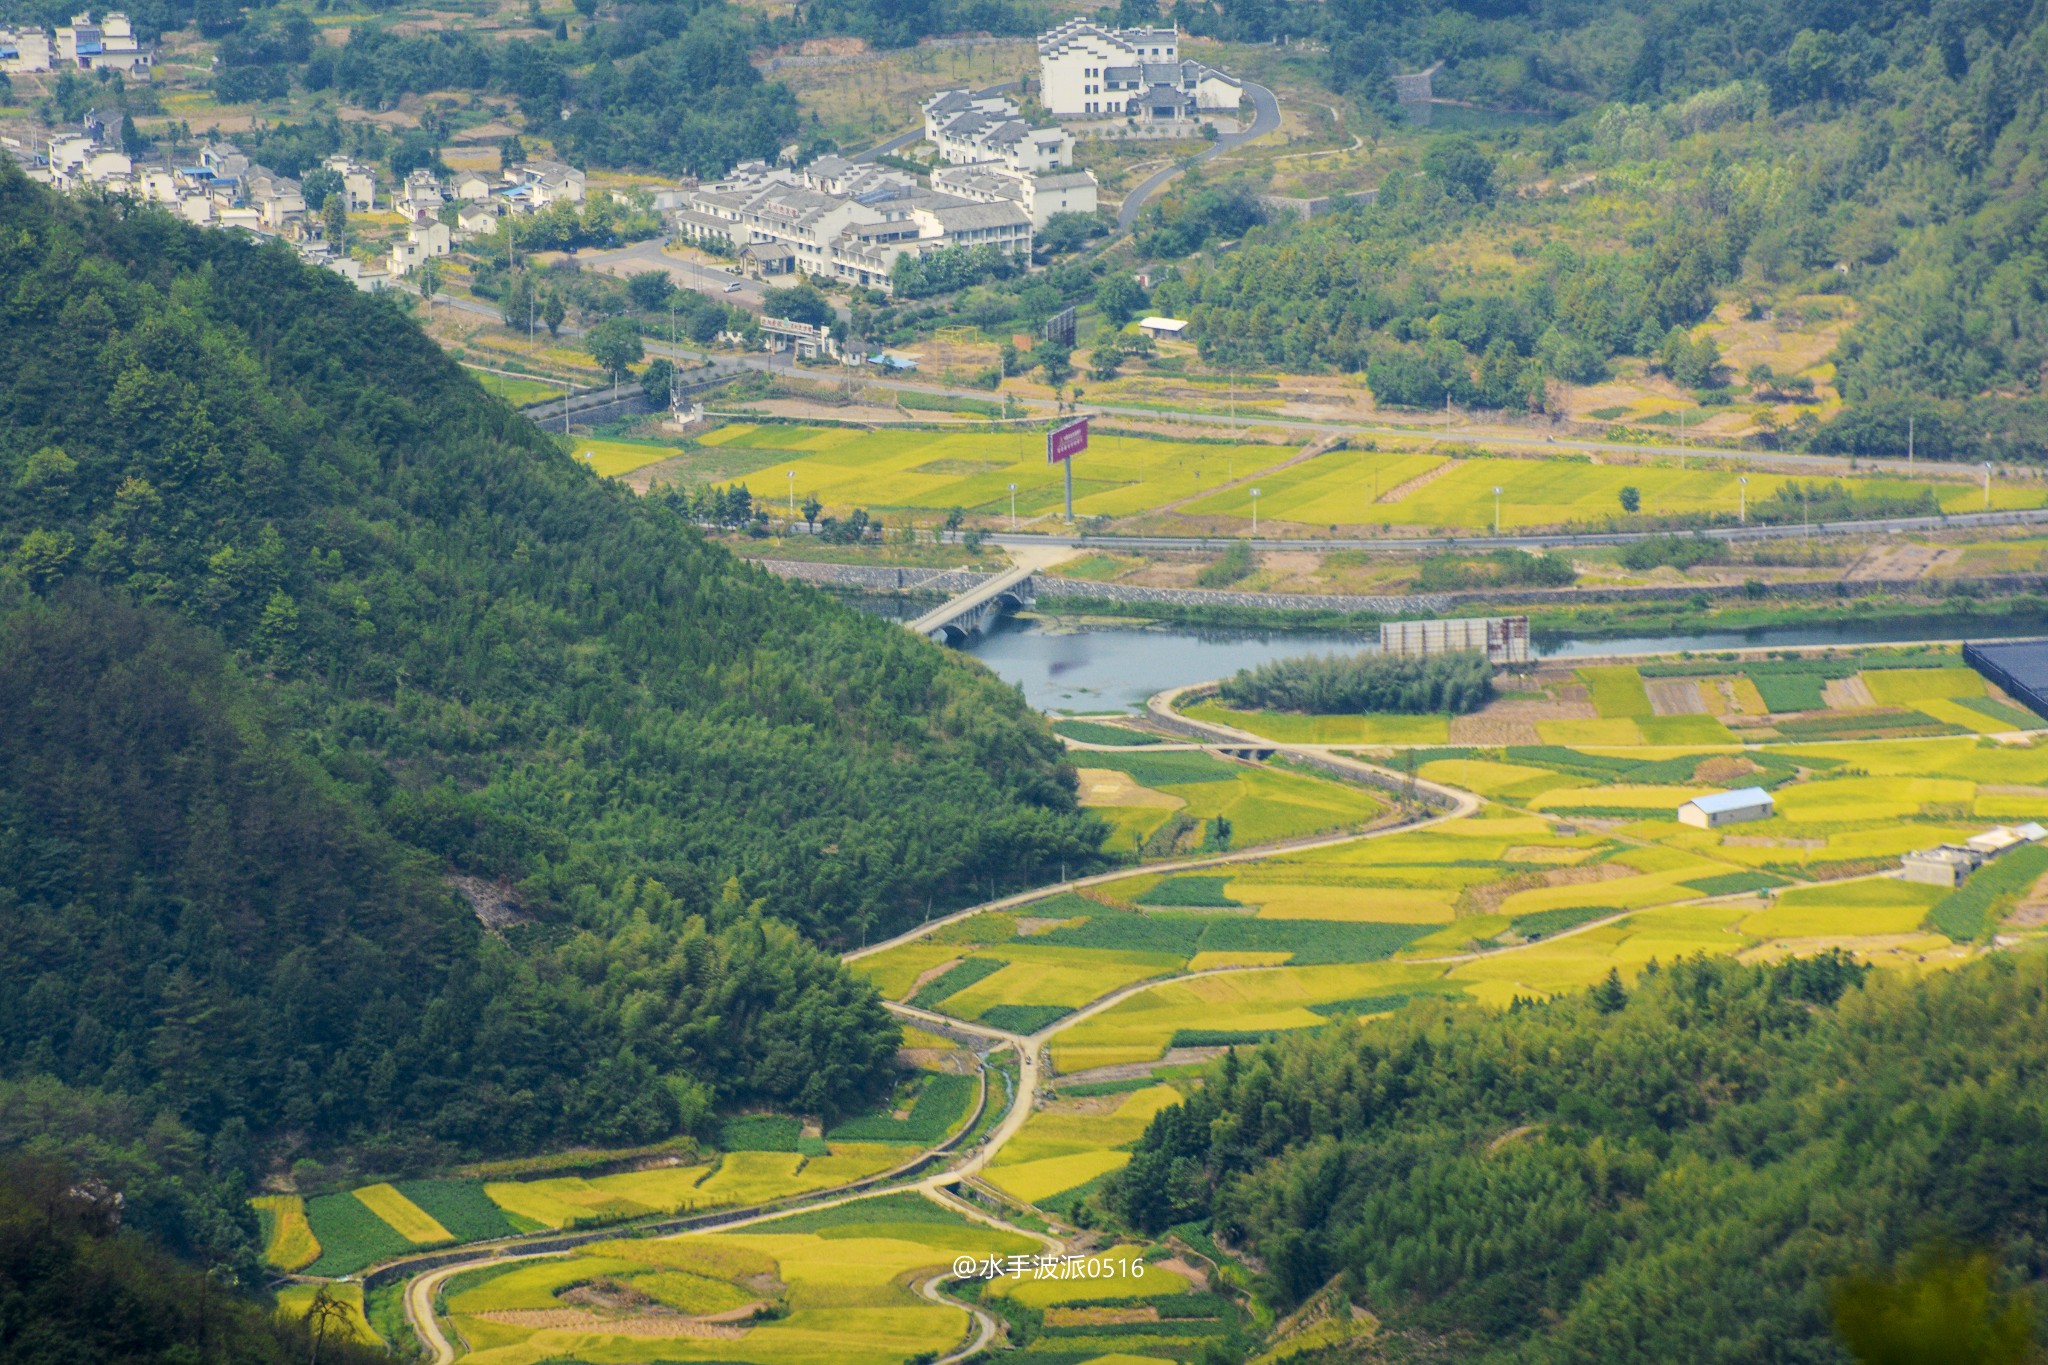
(970, 129)
(477, 220)
(1088, 71)
(420, 198)
(471, 186)
(24, 51)
(358, 183)
(840, 220)
(109, 45)
(421, 244)
(546, 182)
(1041, 196)
(1727, 808)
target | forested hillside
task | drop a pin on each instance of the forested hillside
(1684, 1170)
(1895, 153)
(301, 633)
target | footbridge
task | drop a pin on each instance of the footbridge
(962, 616)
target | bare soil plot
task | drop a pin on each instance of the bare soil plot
(1675, 697)
(1847, 694)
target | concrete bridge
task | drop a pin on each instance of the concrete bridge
(962, 616)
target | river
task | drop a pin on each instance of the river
(1062, 667)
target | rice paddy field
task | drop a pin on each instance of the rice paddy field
(613, 457)
(1161, 804)
(836, 1286)
(926, 471)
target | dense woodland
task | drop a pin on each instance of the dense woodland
(301, 635)
(1688, 1169)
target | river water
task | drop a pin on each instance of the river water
(1108, 668)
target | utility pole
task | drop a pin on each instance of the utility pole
(1987, 485)
(792, 497)
(1013, 509)
(1909, 440)
(1742, 491)
(1255, 514)
(1496, 509)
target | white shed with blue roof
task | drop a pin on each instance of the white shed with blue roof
(1727, 808)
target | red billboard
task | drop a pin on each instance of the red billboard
(1065, 442)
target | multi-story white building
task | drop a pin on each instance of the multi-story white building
(536, 184)
(109, 45)
(968, 129)
(840, 220)
(1040, 196)
(24, 51)
(358, 183)
(1088, 71)
(421, 244)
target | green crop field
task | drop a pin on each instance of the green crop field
(460, 1206)
(405, 1217)
(612, 458)
(518, 392)
(351, 1236)
(941, 1103)
(1095, 732)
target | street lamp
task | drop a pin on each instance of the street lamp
(1496, 509)
(1987, 485)
(1255, 512)
(1742, 491)
(1013, 508)
(792, 496)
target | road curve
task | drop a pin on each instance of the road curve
(1265, 119)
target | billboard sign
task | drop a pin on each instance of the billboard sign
(1063, 443)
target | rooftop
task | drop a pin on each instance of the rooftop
(1740, 799)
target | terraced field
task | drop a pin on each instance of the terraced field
(1161, 804)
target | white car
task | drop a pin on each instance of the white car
(733, 287)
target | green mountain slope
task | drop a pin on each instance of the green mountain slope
(301, 634)
(1682, 1171)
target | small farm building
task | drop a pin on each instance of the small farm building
(1944, 866)
(1727, 808)
(1165, 329)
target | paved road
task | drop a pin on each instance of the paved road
(1889, 526)
(1265, 119)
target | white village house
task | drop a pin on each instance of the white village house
(1087, 70)
(1727, 808)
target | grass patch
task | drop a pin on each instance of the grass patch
(1311, 941)
(461, 1206)
(1617, 692)
(1094, 732)
(1130, 931)
(411, 1221)
(942, 1103)
(887, 1208)
(2001, 712)
(351, 1236)
(1357, 1005)
(954, 980)
(1023, 1018)
(1173, 768)
(1544, 923)
(1972, 908)
(761, 1133)
(1190, 891)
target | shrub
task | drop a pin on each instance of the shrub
(1235, 565)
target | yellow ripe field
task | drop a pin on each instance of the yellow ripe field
(1263, 804)
(406, 1218)
(1054, 975)
(1071, 1142)
(612, 458)
(1296, 729)
(1132, 1278)
(289, 1243)
(294, 1301)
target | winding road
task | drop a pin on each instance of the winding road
(1265, 119)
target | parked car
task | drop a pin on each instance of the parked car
(733, 286)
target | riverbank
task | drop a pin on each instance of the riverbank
(2014, 614)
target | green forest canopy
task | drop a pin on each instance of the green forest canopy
(1679, 1171)
(296, 624)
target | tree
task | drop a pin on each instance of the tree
(801, 304)
(1940, 1306)
(1631, 499)
(334, 218)
(1056, 361)
(811, 508)
(1458, 164)
(553, 311)
(657, 380)
(650, 289)
(615, 345)
(430, 279)
(1120, 298)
